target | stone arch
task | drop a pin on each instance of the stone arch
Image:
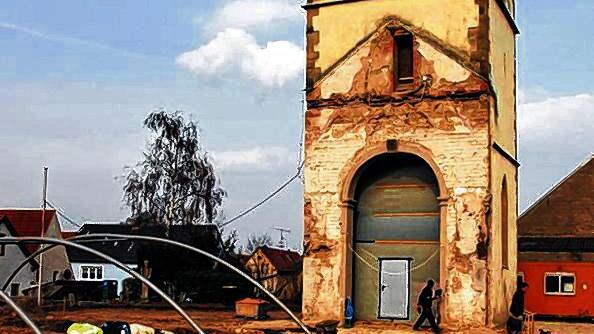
(351, 175)
(354, 169)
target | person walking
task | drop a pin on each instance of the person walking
(515, 322)
(425, 307)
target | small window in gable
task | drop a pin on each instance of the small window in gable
(403, 59)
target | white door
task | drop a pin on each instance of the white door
(394, 296)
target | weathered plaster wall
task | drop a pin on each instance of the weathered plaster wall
(367, 71)
(503, 280)
(502, 53)
(462, 156)
(467, 50)
(448, 20)
(502, 56)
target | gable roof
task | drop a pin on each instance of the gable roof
(6, 222)
(69, 234)
(566, 209)
(27, 222)
(455, 55)
(206, 237)
(121, 250)
(281, 259)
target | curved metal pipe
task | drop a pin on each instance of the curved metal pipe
(210, 256)
(13, 240)
(20, 312)
(83, 238)
(29, 259)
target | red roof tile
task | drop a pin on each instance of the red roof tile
(27, 222)
(566, 210)
(281, 259)
(69, 234)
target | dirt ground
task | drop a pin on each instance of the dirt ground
(214, 321)
(565, 328)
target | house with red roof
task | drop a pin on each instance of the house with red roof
(28, 222)
(278, 270)
(10, 256)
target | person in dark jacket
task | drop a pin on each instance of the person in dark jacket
(425, 307)
(515, 322)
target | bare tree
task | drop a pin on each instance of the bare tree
(230, 243)
(258, 240)
(175, 184)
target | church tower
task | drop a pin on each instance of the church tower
(410, 159)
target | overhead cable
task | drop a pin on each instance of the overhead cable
(273, 194)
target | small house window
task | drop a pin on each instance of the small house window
(559, 284)
(14, 289)
(91, 273)
(403, 59)
(2, 250)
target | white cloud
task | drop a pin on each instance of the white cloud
(555, 134)
(257, 158)
(253, 13)
(557, 118)
(234, 49)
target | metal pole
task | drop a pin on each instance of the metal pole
(43, 207)
(14, 240)
(20, 312)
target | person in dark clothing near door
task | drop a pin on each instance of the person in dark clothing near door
(425, 307)
(515, 322)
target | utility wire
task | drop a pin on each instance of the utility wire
(273, 194)
(62, 214)
(298, 174)
(375, 268)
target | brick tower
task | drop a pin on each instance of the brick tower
(410, 169)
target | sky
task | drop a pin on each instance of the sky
(77, 79)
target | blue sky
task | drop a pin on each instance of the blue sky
(78, 77)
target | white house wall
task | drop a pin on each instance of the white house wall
(110, 273)
(13, 255)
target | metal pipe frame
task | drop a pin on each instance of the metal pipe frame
(39, 240)
(208, 255)
(31, 257)
(20, 312)
(103, 236)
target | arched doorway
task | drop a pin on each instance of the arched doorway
(396, 236)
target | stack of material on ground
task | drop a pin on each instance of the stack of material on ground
(112, 327)
(251, 308)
